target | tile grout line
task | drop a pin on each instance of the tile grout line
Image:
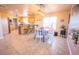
(69, 47)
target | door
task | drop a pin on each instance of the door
(1, 31)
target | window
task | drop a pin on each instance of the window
(50, 22)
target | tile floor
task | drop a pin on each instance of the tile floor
(15, 44)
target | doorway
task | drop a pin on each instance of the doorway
(15, 23)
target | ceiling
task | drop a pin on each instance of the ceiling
(34, 8)
(57, 7)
